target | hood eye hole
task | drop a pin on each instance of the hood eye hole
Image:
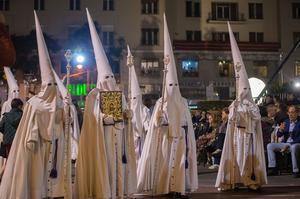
(106, 77)
(134, 97)
(170, 84)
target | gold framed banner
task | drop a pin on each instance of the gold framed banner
(111, 104)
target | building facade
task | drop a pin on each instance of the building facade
(264, 29)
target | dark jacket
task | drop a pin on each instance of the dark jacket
(295, 134)
(9, 124)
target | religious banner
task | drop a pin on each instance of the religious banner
(111, 104)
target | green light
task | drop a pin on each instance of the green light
(80, 89)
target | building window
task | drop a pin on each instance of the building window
(74, 4)
(296, 37)
(224, 11)
(150, 67)
(190, 68)
(223, 36)
(108, 38)
(4, 4)
(257, 37)
(297, 68)
(150, 36)
(260, 68)
(225, 68)
(108, 5)
(255, 11)
(296, 10)
(149, 6)
(193, 8)
(39, 4)
(193, 35)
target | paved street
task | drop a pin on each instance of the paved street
(284, 186)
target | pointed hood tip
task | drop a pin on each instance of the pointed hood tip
(128, 50)
(44, 59)
(103, 66)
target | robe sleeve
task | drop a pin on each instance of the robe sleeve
(33, 135)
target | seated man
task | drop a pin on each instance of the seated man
(290, 132)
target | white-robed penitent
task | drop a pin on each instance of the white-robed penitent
(141, 114)
(13, 92)
(74, 124)
(35, 166)
(168, 162)
(109, 171)
(243, 160)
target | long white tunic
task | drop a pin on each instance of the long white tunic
(243, 153)
(162, 168)
(31, 157)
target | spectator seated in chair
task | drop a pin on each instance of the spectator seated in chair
(289, 132)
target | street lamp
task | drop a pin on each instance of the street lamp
(80, 58)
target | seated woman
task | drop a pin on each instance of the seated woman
(205, 140)
(215, 149)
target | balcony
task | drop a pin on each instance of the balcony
(225, 46)
(214, 18)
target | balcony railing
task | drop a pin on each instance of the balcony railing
(225, 46)
(213, 17)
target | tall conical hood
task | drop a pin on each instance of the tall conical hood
(12, 83)
(135, 88)
(103, 67)
(44, 59)
(171, 77)
(242, 82)
(173, 98)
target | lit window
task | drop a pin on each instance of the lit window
(190, 68)
(225, 68)
(297, 68)
(260, 68)
(150, 66)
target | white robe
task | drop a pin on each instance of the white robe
(102, 174)
(92, 178)
(243, 150)
(162, 164)
(140, 127)
(119, 140)
(28, 166)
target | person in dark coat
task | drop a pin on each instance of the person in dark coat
(9, 124)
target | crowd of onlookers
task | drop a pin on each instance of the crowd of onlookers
(210, 129)
(280, 126)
